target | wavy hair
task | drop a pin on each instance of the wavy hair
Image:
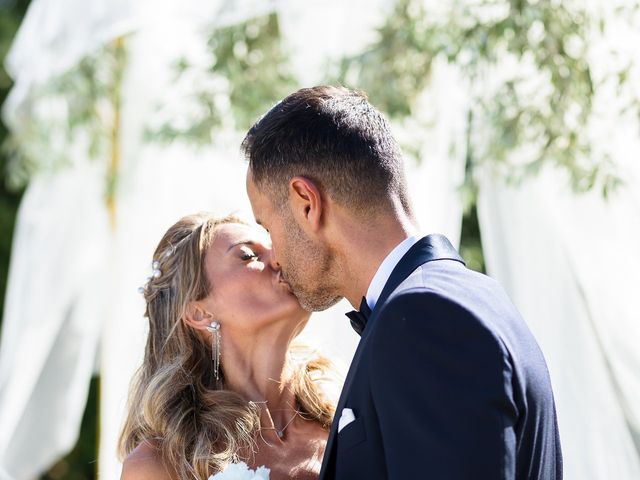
(197, 426)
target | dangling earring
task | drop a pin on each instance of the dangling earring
(214, 328)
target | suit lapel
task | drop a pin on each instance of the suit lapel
(427, 249)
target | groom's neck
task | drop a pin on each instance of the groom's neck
(365, 243)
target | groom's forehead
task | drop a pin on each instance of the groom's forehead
(260, 201)
(252, 190)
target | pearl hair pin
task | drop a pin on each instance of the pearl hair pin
(155, 269)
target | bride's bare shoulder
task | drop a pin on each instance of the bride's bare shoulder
(144, 463)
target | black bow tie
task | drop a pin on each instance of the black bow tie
(359, 318)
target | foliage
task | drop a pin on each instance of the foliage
(252, 58)
(395, 69)
(10, 17)
(471, 241)
(246, 67)
(76, 106)
(525, 62)
(527, 68)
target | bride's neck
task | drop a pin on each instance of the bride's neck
(258, 369)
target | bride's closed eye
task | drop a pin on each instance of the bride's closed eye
(248, 254)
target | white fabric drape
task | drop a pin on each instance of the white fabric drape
(53, 315)
(572, 267)
(80, 288)
(571, 263)
(56, 34)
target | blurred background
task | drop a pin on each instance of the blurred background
(520, 124)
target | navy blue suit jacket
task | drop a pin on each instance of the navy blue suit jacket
(447, 382)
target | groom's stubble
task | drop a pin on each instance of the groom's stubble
(309, 268)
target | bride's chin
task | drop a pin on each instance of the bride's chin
(289, 295)
(292, 303)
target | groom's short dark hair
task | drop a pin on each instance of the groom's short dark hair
(334, 137)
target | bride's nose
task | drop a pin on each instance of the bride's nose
(271, 260)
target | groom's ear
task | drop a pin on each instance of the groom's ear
(306, 202)
(196, 316)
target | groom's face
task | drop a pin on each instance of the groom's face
(306, 264)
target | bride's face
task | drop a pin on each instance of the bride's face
(247, 289)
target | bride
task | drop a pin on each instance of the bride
(220, 382)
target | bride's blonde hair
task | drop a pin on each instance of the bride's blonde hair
(173, 401)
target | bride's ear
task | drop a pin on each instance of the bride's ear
(197, 317)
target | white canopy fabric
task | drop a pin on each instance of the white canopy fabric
(53, 314)
(76, 278)
(571, 263)
(56, 34)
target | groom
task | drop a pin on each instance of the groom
(447, 381)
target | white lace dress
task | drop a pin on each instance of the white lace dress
(241, 471)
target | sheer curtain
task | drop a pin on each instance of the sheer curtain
(572, 267)
(53, 314)
(72, 299)
(571, 263)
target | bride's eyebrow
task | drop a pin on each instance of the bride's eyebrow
(242, 242)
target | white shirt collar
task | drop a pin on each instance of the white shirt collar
(386, 267)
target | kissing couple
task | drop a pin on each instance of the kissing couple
(447, 381)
